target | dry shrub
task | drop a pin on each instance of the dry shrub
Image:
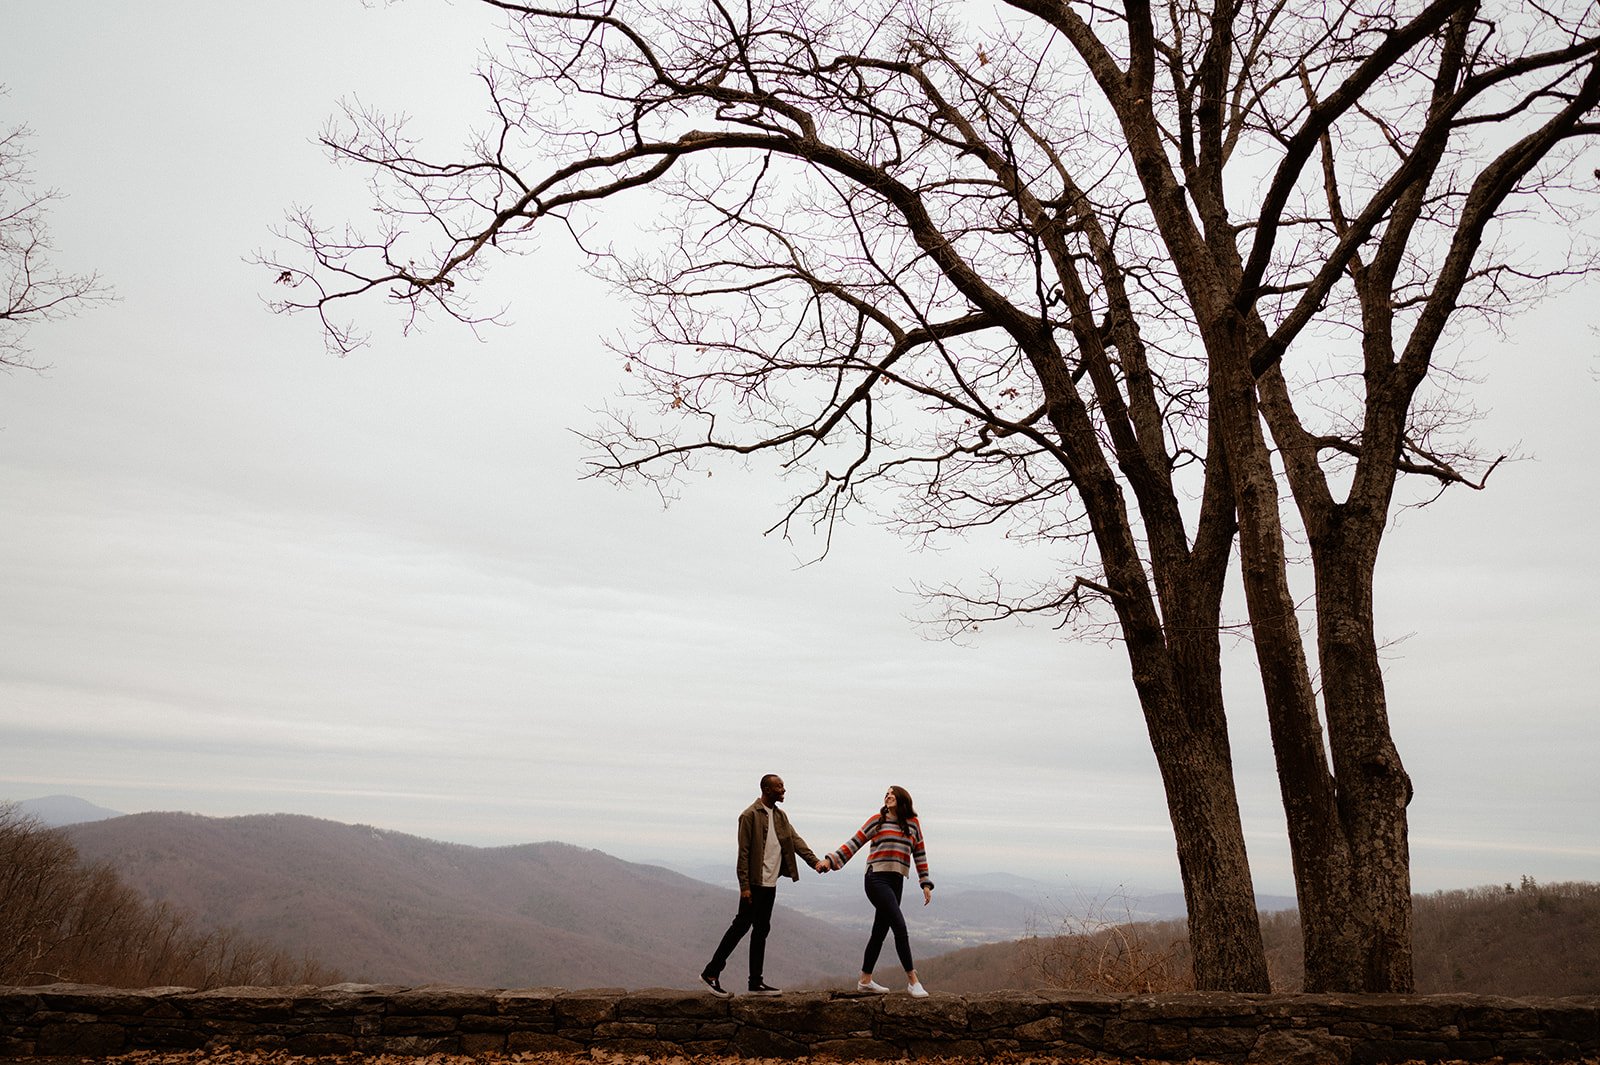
(1103, 948)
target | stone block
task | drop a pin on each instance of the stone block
(1007, 1009)
(856, 1048)
(81, 1040)
(483, 1043)
(93, 999)
(1503, 1018)
(585, 1009)
(1533, 1050)
(253, 1003)
(1378, 1051)
(1215, 1042)
(248, 1043)
(1279, 1046)
(816, 1014)
(695, 1031)
(418, 1044)
(539, 1042)
(418, 1025)
(528, 1004)
(1062, 999)
(754, 1042)
(17, 1003)
(1087, 1029)
(657, 1004)
(1145, 1039)
(999, 1048)
(625, 1030)
(443, 998)
(16, 1047)
(482, 1022)
(1414, 1013)
(945, 1048)
(940, 1011)
(708, 1047)
(1192, 1009)
(345, 1000)
(166, 1037)
(1577, 1019)
(636, 1048)
(314, 1043)
(1043, 1030)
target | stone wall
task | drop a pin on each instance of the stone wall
(72, 1019)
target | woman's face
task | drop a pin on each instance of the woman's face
(889, 799)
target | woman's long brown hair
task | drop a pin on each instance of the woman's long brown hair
(903, 809)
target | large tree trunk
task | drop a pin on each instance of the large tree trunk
(1374, 788)
(1180, 693)
(1190, 741)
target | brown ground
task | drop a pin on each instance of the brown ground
(279, 1057)
(274, 1057)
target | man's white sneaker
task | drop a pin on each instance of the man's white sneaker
(871, 985)
(916, 990)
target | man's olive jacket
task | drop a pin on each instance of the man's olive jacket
(753, 845)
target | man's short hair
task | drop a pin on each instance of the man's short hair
(769, 776)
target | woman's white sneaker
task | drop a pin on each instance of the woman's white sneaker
(871, 985)
(916, 990)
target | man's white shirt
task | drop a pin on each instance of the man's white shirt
(772, 856)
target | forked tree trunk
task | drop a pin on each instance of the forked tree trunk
(1190, 742)
(1328, 880)
(1180, 693)
(1175, 655)
(1374, 788)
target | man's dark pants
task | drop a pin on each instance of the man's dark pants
(755, 917)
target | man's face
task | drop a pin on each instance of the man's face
(772, 791)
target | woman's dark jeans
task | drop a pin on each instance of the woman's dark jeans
(883, 891)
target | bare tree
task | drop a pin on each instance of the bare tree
(32, 288)
(1109, 278)
(37, 891)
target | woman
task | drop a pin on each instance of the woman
(895, 836)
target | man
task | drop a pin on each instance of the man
(767, 846)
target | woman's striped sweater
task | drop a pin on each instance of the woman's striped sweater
(895, 847)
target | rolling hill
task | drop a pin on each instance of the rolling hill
(391, 908)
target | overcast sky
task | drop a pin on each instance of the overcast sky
(238, 575)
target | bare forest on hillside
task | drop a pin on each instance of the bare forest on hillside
(1525, 940)
(63, 920)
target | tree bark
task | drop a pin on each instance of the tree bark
(1177, 672)
(1374, 788)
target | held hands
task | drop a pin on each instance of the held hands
(822, 865)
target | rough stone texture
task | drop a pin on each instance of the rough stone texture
(73, 1020)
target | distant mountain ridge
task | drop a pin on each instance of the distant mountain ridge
(58, 811)
(392, 908)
